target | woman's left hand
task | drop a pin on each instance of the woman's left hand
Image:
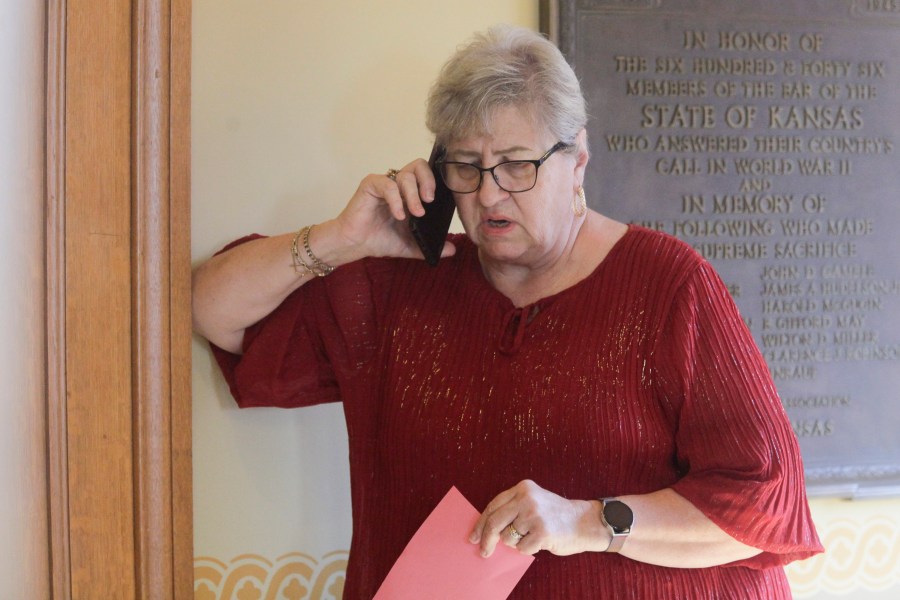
(530, 518)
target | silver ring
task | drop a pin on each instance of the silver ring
(392, 174)
(514, 533)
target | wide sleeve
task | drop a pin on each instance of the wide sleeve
(740, 457)
(317, 339)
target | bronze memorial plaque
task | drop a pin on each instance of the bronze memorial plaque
(765, 135)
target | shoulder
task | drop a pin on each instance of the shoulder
(658, 271)
(659, 253)
(680, 275)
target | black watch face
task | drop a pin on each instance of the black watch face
(618, 515)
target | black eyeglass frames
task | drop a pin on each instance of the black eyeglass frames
(511, 175)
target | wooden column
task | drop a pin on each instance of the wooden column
(118, 306)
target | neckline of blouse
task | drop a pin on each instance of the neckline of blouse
(506, 304)
(516, 319)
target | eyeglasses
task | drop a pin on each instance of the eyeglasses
(511, 175)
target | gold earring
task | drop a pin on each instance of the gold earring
(579, 203)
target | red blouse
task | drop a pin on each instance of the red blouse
(640, 377)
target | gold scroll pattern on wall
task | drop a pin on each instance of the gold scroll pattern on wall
(293, 576)
(859, 555)
(862, 553)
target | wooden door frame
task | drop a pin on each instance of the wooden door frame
(153, 194)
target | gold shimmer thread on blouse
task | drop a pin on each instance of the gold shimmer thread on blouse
(640, 377)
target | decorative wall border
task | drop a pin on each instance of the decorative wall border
(859, 555)
(292, 576)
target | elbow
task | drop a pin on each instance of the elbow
(205, 320)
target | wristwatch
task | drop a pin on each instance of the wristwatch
(619, 519)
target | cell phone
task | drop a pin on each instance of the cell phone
(430, 230)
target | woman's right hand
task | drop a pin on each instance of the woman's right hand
(235, 289)
(375, 220)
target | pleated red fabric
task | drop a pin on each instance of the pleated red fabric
(640, 377)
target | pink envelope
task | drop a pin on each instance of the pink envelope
(439, 562)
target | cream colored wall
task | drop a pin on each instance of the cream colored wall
(23, 492)
(293, 102)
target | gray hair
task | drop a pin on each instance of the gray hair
(505, 66)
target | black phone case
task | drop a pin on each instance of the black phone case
(430, 230)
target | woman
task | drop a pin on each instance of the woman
(591, 384)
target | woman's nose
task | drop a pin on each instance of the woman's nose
(490, 192)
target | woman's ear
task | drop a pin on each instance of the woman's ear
(582, 156)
